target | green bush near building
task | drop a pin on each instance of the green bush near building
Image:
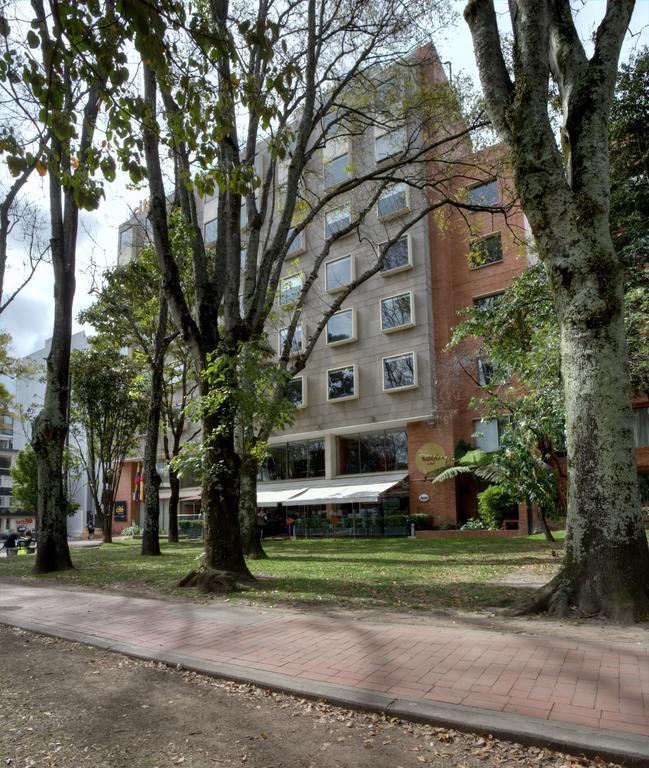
(496, 505)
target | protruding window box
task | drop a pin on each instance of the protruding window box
(297, 343)
(398, 257)
(399, 372)
(397, 312)
(393, 201)
(339, 273)
(296, 392)
(341, 328)
(342, 384)
(337, 219)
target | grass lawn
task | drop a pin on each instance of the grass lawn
(396, 573)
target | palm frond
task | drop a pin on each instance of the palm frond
(451, 472)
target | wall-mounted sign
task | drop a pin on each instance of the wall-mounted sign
(424, 497)
(119, 513)
(430, 457)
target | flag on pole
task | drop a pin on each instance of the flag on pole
(138, 484)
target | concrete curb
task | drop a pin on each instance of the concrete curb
(575, 739)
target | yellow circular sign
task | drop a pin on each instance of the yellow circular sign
(430, 457)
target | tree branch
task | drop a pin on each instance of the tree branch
(496, 83)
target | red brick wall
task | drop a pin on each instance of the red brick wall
(469, 534)
(454, 286)
(125, 493)
(441, 505)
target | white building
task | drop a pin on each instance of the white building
(29, 395)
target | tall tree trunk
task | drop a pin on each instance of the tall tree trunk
(107, 512)
(606, 562)
(250, 530)
(546, 528)
(151, 533)
(174, 497)
(565, 194)
(220, 498)
(51, 425)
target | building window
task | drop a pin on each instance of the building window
(488, 433)
(384, 451)
(485, 371)
(7, 424)
(213, 195)
(399, 372)
(288, 461)
(397, 313)
(341, 328)
(341, 383)
(296, 392)
(485, 250)
(336, 161)
(484, 194)
(487, 302)
(127, 238)
(339, 274)
(393, 200)
(388, 143)
(289, 290)
(397, 256)
(210, 231)
(297, 244)
(337, 219)
(297, 344)
(641, 427)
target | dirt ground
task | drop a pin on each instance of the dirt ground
(68, 705)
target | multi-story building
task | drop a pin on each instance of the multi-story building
(380, 402)
(10, 517)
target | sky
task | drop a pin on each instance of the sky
(29, 317)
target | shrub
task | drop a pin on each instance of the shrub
(494, 505)
(186, 525)
(474, 524)
(132, 530)
(422, 521)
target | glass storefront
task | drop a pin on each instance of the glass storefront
(388, 517)
(288, 461)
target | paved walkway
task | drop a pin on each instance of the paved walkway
(576, 694)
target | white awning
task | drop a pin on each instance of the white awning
(273, 498)
(347, 490)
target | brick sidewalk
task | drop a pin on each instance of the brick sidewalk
(581, 683)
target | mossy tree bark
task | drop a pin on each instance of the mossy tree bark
(565, 195)
(250, 530)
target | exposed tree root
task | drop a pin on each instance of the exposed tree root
(570, 595)
(212, 581)
(552, 598)
(256, 553)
